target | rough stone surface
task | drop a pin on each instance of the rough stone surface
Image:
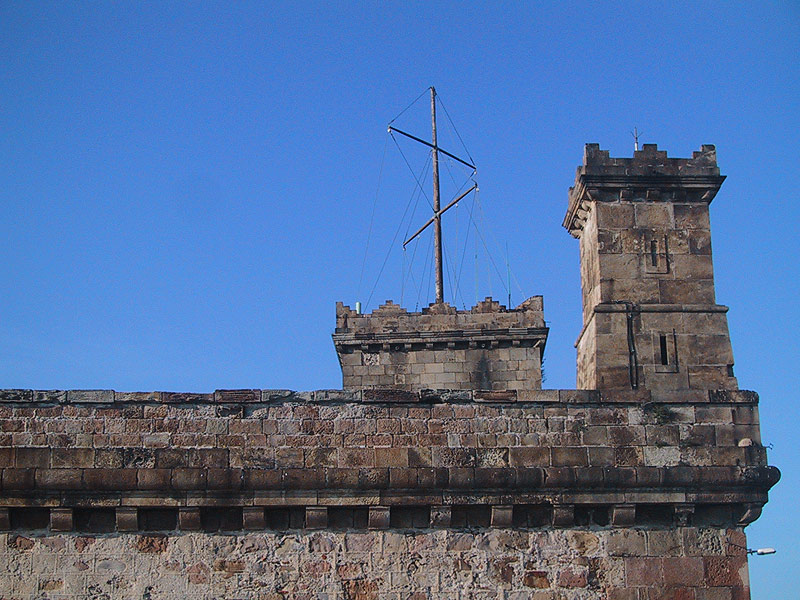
(646, 272)
(343, 565)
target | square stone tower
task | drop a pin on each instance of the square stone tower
(650, 317)
(489, 347)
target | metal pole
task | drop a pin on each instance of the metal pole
(437, 230)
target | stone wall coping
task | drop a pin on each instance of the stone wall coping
(382, 396)
(713, 481)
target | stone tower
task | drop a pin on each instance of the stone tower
(650, 317)
(489, 347)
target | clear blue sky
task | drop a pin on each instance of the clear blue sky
(186, 189)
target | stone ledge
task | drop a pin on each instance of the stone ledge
(508, 479)
(378, 395)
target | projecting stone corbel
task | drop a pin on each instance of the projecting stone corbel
(379, 517)
(683, 514)
(563, 515)
(750, 514)
(623, 515)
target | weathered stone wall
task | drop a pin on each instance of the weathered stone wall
(239, 440)
(649, 311)
(511, 564)
(488, 347)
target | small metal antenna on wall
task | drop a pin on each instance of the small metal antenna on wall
(635, 133)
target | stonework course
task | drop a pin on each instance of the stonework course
(441, 469)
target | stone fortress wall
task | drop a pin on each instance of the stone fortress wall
(378, 494)
(441, 470)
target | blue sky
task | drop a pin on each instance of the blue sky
(187, 189)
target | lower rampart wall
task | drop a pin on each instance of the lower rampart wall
(578, 564)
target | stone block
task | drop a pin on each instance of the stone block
(110, 479)
(316, 517)
(153, 479)
(615, 216)
(32, 457)
(186, 398)
(643, 572)
(696, 291)
(494, 478)
(623, 515)
(441, 516)
(495, 396)
(189, 519)
(237, 396)
(19, 479)
(544, 396)
(563, 515)
(502, 515)
(224, 479)
(72, 458)
(253, 518)
(684, 571)
(60, 519)
(601, 457)
(379, 517)
(137, 397)
(90, 396)
(59, 479)
(691, 216)
(626, 542)
(22, 396)
(570, 456)
(127, 519)
(188, 479)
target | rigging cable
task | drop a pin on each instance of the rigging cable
(372, 219)
(454, 129)
(497, 244)
(488, 254)
(416, 245)
(389, 251)
(412, 171)
(410, 105)
(466, 239)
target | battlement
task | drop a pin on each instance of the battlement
(393, 319)
(649, 161)
(489, 347)
(649, 177)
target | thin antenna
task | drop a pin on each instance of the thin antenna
(508, 277)
(635, 133)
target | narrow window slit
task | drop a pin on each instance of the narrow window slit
(654, 253)
(664, 357)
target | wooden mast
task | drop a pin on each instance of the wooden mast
(438, 211)
(437, 226)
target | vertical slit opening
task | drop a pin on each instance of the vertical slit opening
(653, 253)
(664, 357)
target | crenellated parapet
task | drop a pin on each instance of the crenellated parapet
(489, 347)
(649, 176)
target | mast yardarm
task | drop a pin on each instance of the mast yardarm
(436, 219)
